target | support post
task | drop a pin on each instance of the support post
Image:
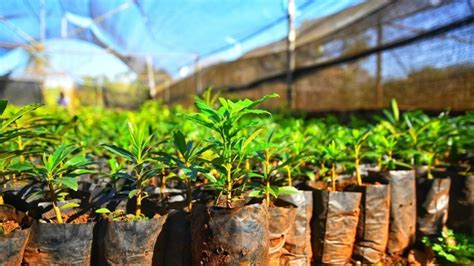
(42, 22)
(64, 27)
(151, 76)
(197, 75)
(378, 75)
(290, 93)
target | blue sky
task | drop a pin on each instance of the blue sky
(173, 32)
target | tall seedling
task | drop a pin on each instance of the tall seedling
(433, 140)
(357, 141)
(139, 156)
(188, 161)
(8, 134)
(333, 154)
(230, 140)
(268, 173)
(59, 172)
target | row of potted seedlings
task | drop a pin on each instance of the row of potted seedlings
(307, 192)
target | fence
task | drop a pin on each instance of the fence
(419, 52)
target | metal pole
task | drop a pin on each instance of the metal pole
(197, 73)
(151, 76)
(290, 53)
(42, 22)
(64, 27)
(378, 74)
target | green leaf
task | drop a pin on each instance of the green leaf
(256, 193)
(263, 99)
(180, 142)
(70, 205)
(204, 108)
(132, 193)
(250, 138)
(287, 190)
(19, 114)
(21, 166)
(210, 177)
(119, 151)
(3, 106)
(69, 182)
(395, 111)
(76, 161)
(102, 211)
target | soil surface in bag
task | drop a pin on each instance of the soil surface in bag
(281, 219)
(372, 230)
(237, 236)
(433, 203)
(402, 227)
(13, 244)
(130, 242)
(64, 244)
(461, 204)
(334, 226)
(297, 249)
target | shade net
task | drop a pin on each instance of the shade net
(418, 52)
(59, 38)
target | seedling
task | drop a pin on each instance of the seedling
(334, 153)
(188, 161)
(270, 166)
(454, 248)
(58, 172)
(8, 135)
(433, 143)
(230, 140)
(139, 155)
(357, 140)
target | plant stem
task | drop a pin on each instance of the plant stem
(20, 147)
(229, 185)
(358, 176)
(138, 210)
(333, 176)
(290, 181)
(267, 193)
(357, 165)
(189, 195)
(163, 182)
(429, 172)
(56, 209)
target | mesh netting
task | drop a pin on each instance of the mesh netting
(419, 52)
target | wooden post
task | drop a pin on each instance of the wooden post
(151, 76)
(197, 75)
(290, 53)
(378, 74)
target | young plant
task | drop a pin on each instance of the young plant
(454, 248)
(357, 140)
(433, 143)
(294, 141)
(269, 173)
(188, 161)
(139, 156)
(230, 140)
(9, 133)
(382, 148)
(333, 154)
(59, 172)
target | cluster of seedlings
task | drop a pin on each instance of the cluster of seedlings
(172, 186)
